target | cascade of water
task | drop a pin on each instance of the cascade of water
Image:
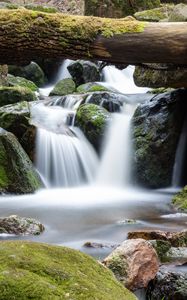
(115, 163)
(61, 74)
(122, 81)
(180, 157)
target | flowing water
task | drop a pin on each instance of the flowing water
(89, 199)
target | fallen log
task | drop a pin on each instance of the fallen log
(27, 35)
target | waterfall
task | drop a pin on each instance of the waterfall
(64, 157)
(179, 163)
(115, 164)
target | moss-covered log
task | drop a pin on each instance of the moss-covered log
(26, 35)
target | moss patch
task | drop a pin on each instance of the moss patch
(10, 95)
(40, 271)
(19, 81)
(180, 200)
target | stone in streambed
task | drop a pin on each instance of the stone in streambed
(41, 271)
(63, 87)
(92, 120)
(20, 226)
(20, 81)
(11, 95)
(96, 245)
(180, 200)
(17, 174)
(134, 263)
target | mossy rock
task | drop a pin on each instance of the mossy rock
(180, 200)
(64, 87)
(91, 87)
(83, 72)
(17, 174)
(11, 95)
(157, 126)
(43, 272)
(92, 120)
(42, 8)
(162, 248)
(32, 72)
(117, 8)
(23, 82)
(159, 76)
(179, 13)
(15, 118)
(156, 14)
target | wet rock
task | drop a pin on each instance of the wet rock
(168, 286)
(20, 226)
(176, 255)
(157, 125)
(180, 200)
(160, 75)
(28, 142)
(17, 174)
(92, 120)
(162, 248)
(110, 101)
(91, 87)
(127, 221)
(99, 245)
(20, 81)
(176, 239)
(84, 71)
(32, 72)
(42, 271)
(64, 87)
(179, 13)
(134, 263)
(11, 95)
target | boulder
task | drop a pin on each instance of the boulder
(134, 263)
(20, 81)
(110, 101)
(116, 8)
(91, 87)
(20, 226)
(160, 75)
(32, 72)
(157, 125)
(156, 14)
(15, 118)
(179, 13)
(63, 87)
(84, 71)
(180, 200)
(11, 95)
(168, 286)
(40, 271)
(17, 174)
(176, 239)
(92, 120)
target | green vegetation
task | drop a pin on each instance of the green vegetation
(10, 95)
(64, 87)
(19, 81)
(180, 200)
(40, 271)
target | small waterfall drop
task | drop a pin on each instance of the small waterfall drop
(179, 165)
(115, 163)
(64, 157)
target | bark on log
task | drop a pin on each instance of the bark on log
(26, 35)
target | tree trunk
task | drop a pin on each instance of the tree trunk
(27, 35)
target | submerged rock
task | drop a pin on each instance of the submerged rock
(157, 125)
(92, 120)
(99, 245)
(17, 175)
(63, 87)
(20, 226)
(41, 271)
(168, 286)
(31, 72)
(180, 200)
(134, 263)
(11, 95)
(84, 71)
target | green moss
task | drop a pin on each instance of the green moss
(156, 14)
(20, 81)
(42, 8)
(10, 95)
(118, 266)
(91, 87)
(180, 200)
(64, 87)
(40, 271)
(161, 247)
